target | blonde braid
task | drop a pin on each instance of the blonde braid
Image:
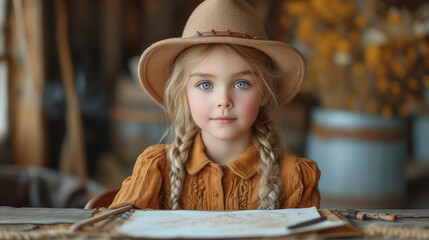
(178, 154)
(266, 141)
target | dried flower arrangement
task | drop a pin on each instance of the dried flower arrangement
(367, 56)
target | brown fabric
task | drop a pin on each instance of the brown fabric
(209, 186)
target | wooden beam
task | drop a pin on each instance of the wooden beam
(73, 157)
(27, 78)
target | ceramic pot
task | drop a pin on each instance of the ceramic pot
(362, 158)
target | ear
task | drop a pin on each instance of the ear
(264, 101)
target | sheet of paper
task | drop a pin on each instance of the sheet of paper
(219, 224)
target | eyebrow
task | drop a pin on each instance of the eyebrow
(242, 73)
(197, 74)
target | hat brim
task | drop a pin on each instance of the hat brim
(156, 60)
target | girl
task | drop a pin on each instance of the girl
(220, 84)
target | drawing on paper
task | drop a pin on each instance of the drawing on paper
(214, 224)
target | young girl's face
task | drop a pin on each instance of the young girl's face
(224, 96)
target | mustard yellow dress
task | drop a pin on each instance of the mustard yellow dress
(210, 186)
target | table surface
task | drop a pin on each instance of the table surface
(45, 216)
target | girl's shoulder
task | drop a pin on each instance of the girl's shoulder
(294, 163)
(155, 150)
(301, 177)
(155, 154)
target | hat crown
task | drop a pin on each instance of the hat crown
(225, 15)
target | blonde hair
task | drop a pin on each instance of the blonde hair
(264, 135)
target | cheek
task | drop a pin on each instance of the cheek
(198, 106)
(250, 107)
(199, 110)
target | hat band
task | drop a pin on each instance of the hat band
(226, 33)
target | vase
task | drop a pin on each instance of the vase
(420, 133)
(421, 139)
(361, 157)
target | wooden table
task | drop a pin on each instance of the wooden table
(406, 218)
(26, 219)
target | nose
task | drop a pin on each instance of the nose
(224, 100)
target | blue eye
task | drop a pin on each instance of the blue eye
(242, 84)
(205, 85)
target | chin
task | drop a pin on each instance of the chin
(227, 136)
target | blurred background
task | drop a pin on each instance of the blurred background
(73, 117)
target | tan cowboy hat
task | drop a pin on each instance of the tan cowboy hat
(221, 21)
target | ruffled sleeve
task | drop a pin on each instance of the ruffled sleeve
(142, 189)
(301, 178)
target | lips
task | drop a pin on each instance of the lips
(224, 120)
